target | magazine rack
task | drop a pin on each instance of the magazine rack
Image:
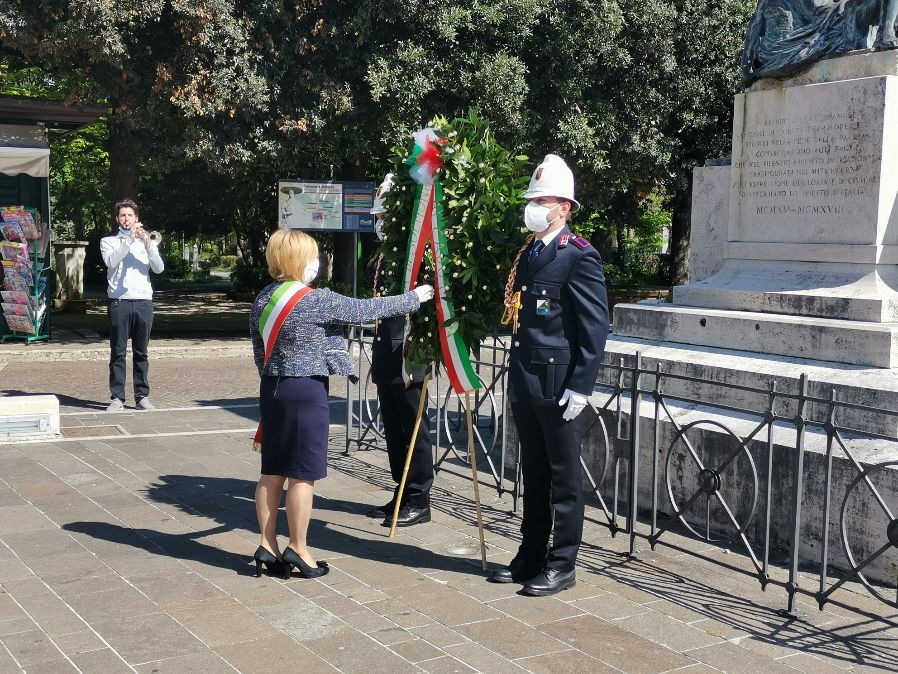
(25, 309)
(24, 280)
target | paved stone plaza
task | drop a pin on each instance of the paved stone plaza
(125, 546)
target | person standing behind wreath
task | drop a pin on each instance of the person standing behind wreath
(398, 402)
(294, 365)
(562, 324)
(129, 255)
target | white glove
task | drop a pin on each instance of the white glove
(424, 293)
(575, 403)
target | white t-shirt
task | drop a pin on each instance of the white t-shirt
(128, 264)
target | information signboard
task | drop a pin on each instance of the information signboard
(325, 205)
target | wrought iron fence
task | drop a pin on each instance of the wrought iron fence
(719, 472)
(444, 407)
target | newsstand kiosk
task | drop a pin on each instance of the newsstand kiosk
(25, 251)
(24, 233)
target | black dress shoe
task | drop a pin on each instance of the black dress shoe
(550, 581)
(408, 516)
(507, 575)
(516, 572)
(380, 512)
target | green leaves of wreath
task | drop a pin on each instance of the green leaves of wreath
(482, 187)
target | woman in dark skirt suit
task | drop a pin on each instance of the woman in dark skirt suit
(294, 389)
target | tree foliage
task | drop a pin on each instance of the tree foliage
(482, 183)
(212, 100)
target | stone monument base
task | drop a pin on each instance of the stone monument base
(865, 343)
(855, 292)
(727, 373)
(810, 264)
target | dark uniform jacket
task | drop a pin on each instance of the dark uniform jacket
(563, 323)
(386, 350)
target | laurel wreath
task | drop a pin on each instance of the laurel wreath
(483, 184)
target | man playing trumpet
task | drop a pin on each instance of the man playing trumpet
(129, 256)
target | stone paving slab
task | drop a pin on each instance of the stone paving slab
(131, 554)
(204, 380)
(91, 347)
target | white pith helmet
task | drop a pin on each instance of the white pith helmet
(553, 178)
(384, 187)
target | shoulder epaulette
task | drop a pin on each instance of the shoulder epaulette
(580, 242)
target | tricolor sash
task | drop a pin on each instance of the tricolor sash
(279, 306)
(428, 226)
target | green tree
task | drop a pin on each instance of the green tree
(633, 93)
(212, 101)
(79, 180)
(154, 63)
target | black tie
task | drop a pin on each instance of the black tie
(535, 250)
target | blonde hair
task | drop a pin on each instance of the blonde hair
(288, 253)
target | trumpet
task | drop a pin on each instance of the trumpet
(147, 237)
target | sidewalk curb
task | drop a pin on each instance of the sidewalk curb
(101, 353)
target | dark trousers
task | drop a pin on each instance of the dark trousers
(553, 486)
(129, 319)
(398, 410)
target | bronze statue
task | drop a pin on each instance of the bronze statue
(786, 36)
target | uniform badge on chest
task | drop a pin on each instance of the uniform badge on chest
(543, 308)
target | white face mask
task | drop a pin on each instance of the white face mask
(311, 271)
(536, 217)
(379, 228)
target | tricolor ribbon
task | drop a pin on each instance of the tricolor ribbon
(275, 313)
(428, 227)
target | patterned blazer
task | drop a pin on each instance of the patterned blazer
(311, 341)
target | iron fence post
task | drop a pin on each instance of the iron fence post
(792, 585)
(656, 443)
(770, 417)
(635, 399)
(830, 428)
(349, 423)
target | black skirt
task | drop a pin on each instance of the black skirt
(296, 421)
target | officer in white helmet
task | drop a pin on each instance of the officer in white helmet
(399, 403)
(559, 312)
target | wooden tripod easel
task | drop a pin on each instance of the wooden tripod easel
(472, 453)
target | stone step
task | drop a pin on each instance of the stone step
(742, 379)
(838, 341)
(856, 292)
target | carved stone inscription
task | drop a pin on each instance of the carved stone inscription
(806, 164)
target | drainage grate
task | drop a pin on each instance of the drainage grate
(463, 550)
(90, 431)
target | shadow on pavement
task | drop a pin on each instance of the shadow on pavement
(230, 503)
(177, 546)
(689, 584)
(248, 408)
(853, 638)
(64, 400)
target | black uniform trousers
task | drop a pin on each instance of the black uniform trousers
(553, 486)
(129, 319)
(398, 410)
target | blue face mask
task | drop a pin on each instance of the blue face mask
(124, 232)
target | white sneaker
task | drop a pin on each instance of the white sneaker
(115, 406)
(145, 404)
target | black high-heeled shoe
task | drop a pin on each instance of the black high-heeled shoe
(272, 563)
(291, 559)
